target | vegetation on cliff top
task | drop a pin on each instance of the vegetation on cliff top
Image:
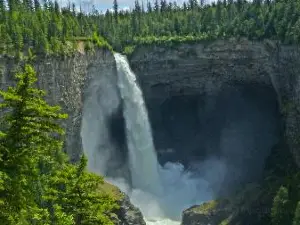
(37, 183)
(166, 22)
(45, 28)
(49, 29)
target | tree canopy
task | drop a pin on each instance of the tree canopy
(49, 29)
(37, 183)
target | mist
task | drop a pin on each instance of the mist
(231, 133)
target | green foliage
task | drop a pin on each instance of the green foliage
(80, 195)
(47, 29)
(37, 184)
(128, 50)
(279, 213)
(1, 71)
(280, 170)
(296, 220)
(100, 42)
(88, 46)
(30, 144)
(173, 40)
(193, 22)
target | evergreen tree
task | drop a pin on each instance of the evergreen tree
(116, 11)
(37, 184)
(156, 6)
(50, 30)
(149, 7)
(296, 220)
(29, 144)
(37, 5)
(279, 214)
(80, 196)
(2, 11)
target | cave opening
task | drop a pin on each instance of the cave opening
(238, 125)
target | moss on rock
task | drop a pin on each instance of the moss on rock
(127, 213)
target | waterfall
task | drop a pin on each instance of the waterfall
(143, 164)
(160, 192)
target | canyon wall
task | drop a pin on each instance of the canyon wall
(197, 76)
(64, 80)
(189, 89)
(186, 81)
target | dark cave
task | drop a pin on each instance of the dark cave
(238, 125)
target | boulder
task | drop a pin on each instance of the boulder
(208, 213)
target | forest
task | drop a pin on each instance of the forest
(38, 185)
(48, 29)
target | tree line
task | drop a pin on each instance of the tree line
(50, 29)
(164, 21)
(38, 185)
(44, 29)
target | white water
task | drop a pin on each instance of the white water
(161, 193)
(143, 163)
(101, 100)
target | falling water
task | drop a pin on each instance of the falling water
(143, 163)
(160, 192)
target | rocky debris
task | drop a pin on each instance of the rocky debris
(128, 214)
(249, 206)
(208, 213)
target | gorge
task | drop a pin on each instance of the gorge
(215, 112)
(213, 130)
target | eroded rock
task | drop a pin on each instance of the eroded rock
(204, 69)
(212, 213)
(128, 214)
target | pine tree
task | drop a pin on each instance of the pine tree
(37, 5)
(163, 5)
(115, 6)
(279, 214)
(156, 6)
(77, 191)
(2, 11)
(149, 7)
(30, 146)
(37, 184)
(296, 220)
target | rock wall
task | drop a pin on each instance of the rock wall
(207, 68)
(286, 78)
(64, 80)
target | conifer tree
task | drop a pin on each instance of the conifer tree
(279, 214)
(30, 145)
(37, 184)
(116, 10)
(77, 191)
(156, 6)
(296, 220)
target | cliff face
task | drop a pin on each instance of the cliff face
(185, 81)
(64, 82)
(197, 77)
